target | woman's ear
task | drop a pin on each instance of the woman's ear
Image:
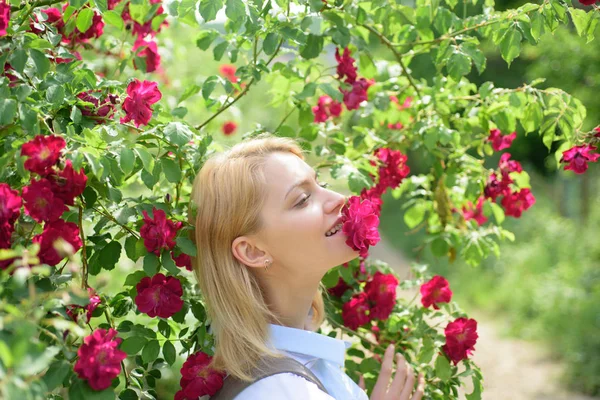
(246, 251)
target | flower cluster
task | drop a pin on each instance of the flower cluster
(578, 157)
(197, 378)
(99, 360)
(513, 202)
(45, 199)
(353, 88)
(500, 141)
(54, 17)
(377, 301)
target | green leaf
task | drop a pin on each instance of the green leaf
(133, 344)
(84, 19)
(209, 86)
(56, 374)
(209, 8)
(171, 170)
(8, 110)
(270, 43)
(581, 20)
(80, 390)
(532, 117)
(169, 264)
(414, 215)
(235, 10)
(134, 248)
(178, 133)
(151, 264)
(439, 248)
(146, 157)
(113, 18)
(102, 5)
(477, 388)
(18, 59)
(55, 94)
(443, 371)
(127, 160)
(331, 92)
(75, 115)
(186, 245)
(510, 45)
(458, 65)
(110, 255)
(205, 39)
(42, 64)
(219, 50)
(151, 350)
(313, 46)
(169, 352)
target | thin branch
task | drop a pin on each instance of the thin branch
(398, 56)
(84, 274)
(285, 118)
(107, 215)
(34, 5)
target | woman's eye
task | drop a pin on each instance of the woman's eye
(302, 201)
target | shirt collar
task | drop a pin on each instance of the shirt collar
(309, 343)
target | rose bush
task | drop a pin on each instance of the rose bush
(96, 169)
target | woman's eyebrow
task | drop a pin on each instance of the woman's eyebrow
(301, 183)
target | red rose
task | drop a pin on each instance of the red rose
(499, 141)
(578, 158)
(68, 231)
(182, 260)
(360, 222)
(158, 232)
(141, 31)
(374, 195)
(40, 202)
(436, 290)
(4, 17)
(587, 2)
(515, 203)
(356, 312)
(326, 107)
(496, 187)
(358, 94)
(94, 31)
(140, 96)
(99, 359)
(6, 231)
(43, 153)
(73, 310)
(68, 184)
(507, 165)
(461, 336)
(339, 289)
(197, 379)
(159, 296)
(381, 291)
(475, 212)
(228, 72)
(396, 126)
(149, 52)
(345, 67)
(597, 129)
(393, 167)
(102, 109)
(10, 204)
(229, 127)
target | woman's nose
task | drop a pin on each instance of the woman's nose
(335, 203)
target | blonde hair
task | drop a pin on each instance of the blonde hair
(227, 196)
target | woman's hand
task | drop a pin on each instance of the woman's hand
(402, 384)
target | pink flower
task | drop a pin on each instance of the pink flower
(229, 128)
(4, 17)
(149, 52)
(374, 195)
(68, 184)
(597, 129)
(499, 141)
(495, 187)
(74, 310)
(141, 31)
(10, 204)
(99, 359)
(326, 108)
(197, 378)
(358, 94)
(587, 2)
(381, 291)
(476, 212)
(360, 222)
(507, 165)
(436, 290)
(67, 231)
(102, 109)
(94, 31)
(158, 232)
(182, 260)
(159, 296)
(515, 203)
(393, 167)
(40, 202)
(43, 153)
(345, 67)
(339, 289)
(461, 336)
(140, 96)
(578, 158)
(228, 72)
(396, 126)
(355, 313)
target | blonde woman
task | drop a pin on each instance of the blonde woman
(263, 231)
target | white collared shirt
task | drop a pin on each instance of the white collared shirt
(322, 354)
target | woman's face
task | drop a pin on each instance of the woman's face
(297, 214)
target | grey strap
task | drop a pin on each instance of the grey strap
(267, 367)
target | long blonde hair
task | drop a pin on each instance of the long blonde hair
(227, 196)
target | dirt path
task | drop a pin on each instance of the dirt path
(513, 369)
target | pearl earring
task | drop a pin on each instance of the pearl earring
(267, 263)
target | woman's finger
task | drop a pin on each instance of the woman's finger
(361, 382)
(384, 375)
(399, 377)
(420, 388)
(409, 384)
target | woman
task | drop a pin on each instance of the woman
(263, 231)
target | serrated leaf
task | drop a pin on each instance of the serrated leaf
(235, 10)
(414, 215)
(443, 371)
(151, 264)
(510, 45)
(186, 245)
(209, 9)
(84, 19)
(209, 86)
(113, 18)
(313, 46)
(459, 64)
(151, 351)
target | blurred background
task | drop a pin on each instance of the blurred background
(538, 305)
